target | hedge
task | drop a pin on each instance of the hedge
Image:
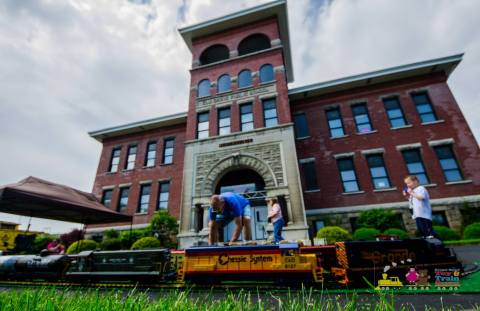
(147, 242)
(472, 231)
(402, 234)
(82, 245)
(111, 244)
(445, 233)
(333, 234)
(366, 234)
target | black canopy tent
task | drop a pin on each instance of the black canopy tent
(34, 197)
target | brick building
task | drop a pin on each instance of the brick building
(327, 150)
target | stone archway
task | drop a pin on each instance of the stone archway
(235, 162)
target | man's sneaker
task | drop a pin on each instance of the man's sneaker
(430, 237)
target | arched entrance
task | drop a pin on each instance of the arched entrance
(250, 184)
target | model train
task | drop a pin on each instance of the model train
(345, 263)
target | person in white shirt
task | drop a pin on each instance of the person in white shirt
(419, 202)
(276, 218)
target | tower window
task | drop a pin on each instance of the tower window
(214, 54)
(266, 73)
(253, 43)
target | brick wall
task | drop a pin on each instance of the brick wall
(159, 171)
(323, 148)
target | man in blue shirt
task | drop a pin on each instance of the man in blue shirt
(224, 208)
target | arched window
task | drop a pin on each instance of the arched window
(266, 73)
(223, 83)
(253, 43)
(203, 88)
(213, 54)
(245, 78)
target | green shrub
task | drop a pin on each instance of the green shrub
(41, 241)
(381, 219)
(128, 238)
(333, 234)
(365, 234)
(147, 242)
(111, 234)
(472, 231)
(111, 245)
(394, 231)
(82, 245)
(445, 233)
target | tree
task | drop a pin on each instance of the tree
(164, 227)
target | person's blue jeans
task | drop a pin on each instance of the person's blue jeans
(424, 227)
(277, 230)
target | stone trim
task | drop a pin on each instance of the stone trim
(385, 189)
(373, 151)
(144, 182)
(465, 181)
(433, 122)
(307, 160)
(401, 127)
(268, 96)
(108, 187)
(344, 155)
(440, 142)
(125, 185)
(408, 146)
(125, 227)
(393, 205)
(390, 95)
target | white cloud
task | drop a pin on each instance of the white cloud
(69, 67)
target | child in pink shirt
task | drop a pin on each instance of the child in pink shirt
(276, 218)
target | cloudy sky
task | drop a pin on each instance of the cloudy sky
(68, 67)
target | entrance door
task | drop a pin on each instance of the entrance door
(258, 221)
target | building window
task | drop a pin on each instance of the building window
(394, 112)
(246, 117)
(310, 175)
(144, 199)
(362, 119)
(449, 163)
(202, 125)
(115, 160)
(253, 43)
(301, 126)
(414, 163)
(319, 224)
(335, 123)
(378, 171)
(123, 201)
(439, 219)
(163, 194)
(203, 89)
(151, 154)
(424, 107)
(245, 78)
(131, 156)
(168, 150)
(224, 84)
(107, 197)
(270, 113)
(224, 121)
(266, 73)
(348, 175)
(213, 54)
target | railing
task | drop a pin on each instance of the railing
(255, 195)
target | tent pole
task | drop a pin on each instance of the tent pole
(80, 237)
(29, 223)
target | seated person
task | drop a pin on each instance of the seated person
(227, 207)
(55, 247)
